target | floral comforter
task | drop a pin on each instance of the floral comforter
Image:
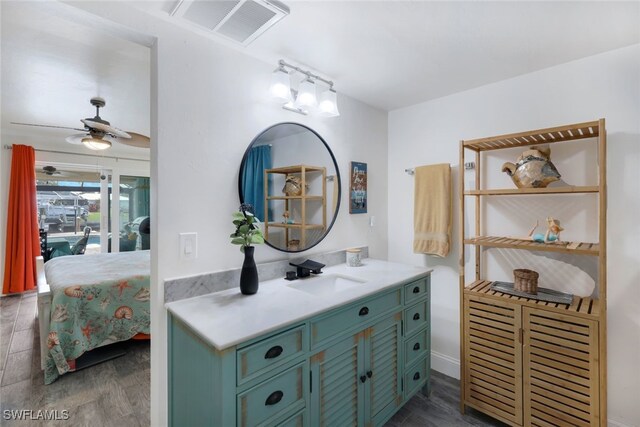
(96, 300)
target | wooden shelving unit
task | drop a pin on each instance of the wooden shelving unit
(510, 243)
(303, 171)
(527, 191)
(524, 361)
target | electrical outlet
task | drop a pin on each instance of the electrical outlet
(188, 245)
(372, 221)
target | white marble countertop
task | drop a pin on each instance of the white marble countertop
(227, 318)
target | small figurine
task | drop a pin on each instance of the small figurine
(533, 169)
(552, 234)
(287, 220)
(553, 230)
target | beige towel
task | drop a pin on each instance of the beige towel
(432, 210)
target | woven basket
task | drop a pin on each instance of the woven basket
(525, 281)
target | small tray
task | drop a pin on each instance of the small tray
(544, 294)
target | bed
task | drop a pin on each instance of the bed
(89, 301)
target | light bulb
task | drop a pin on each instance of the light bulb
(328, 106)
(96, 144)
(281, 86)
(306, 94)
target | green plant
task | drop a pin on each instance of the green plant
(247, 229)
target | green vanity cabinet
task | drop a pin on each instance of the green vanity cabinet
(417, 337)
(357, 380)
(353, 365)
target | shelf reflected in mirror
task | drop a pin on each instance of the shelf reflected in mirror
(290, 177)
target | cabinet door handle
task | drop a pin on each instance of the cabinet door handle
(364, 311)
(273, 352)
(369, 374)
(416, 376)
(363, 378)
(416, 290)
(416, 316)
(416, 346)
(274, 398)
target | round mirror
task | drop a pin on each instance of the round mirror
(290, 177)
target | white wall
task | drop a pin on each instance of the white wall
(211, 102)
(606, 85)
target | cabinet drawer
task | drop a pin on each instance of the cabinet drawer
(415, 377)
(415, 317)
(351, 317)
(296, 420)
(416, 290)
(271, 353)
(273, 397)
(416, 346)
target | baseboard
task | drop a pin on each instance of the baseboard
(445, 364)
(612, 423)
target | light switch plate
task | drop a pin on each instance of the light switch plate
(188, 245)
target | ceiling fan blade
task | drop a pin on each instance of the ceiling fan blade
(136, 140)
(76, 139)
(105, 128)
(45, 126)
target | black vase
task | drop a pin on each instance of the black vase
(249, 274)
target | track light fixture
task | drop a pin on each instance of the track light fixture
(305, 99)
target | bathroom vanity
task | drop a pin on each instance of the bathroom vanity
(347, 347)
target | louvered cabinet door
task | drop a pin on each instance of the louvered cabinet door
(560, 370)
(337, 394)
(383, 370)
(493, 364)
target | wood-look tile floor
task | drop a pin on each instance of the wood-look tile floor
(116, 392)
(113, 393)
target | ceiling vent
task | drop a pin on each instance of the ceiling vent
(241, 21)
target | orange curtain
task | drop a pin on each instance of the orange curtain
(23, 241)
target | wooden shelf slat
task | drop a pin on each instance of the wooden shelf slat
(294, 197)
(536, 137)
(584, 307)
(296, 225)
(529, 191)
(296, 169)
(510, 243)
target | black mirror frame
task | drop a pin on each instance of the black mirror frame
(335, 163)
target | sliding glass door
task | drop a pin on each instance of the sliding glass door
(73, 204)
(131, 214)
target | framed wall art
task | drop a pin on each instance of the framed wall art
(358, 188)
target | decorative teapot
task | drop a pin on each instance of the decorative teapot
(533, 169)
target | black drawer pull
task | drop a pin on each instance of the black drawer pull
(273, 352)
(274, 398)
(364, 311)
(416, 290)
(416, 346)
(369, 374)
(363, 378)
(416, 376)
(416, 316)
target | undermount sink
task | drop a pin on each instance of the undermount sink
(325, 284)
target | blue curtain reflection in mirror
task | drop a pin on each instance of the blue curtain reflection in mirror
(258, 159)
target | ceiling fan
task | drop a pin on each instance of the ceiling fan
(51, 170)
(98, 134)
